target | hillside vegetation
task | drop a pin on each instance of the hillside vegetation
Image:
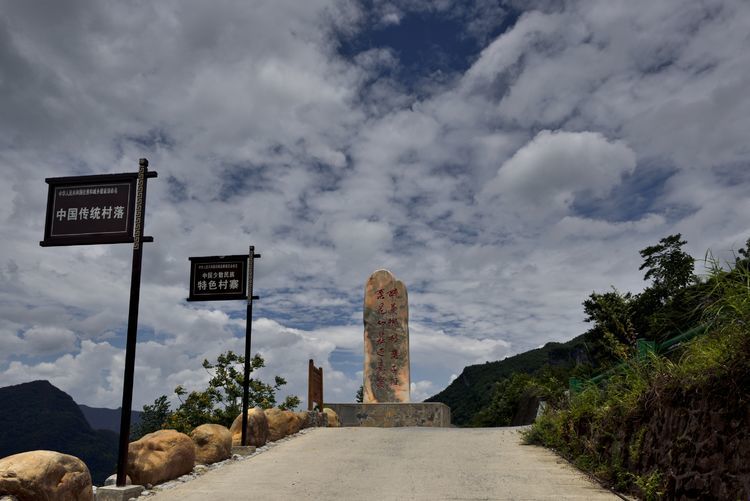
(472, 392)
(668, 422)
(673, 425)
(37, 415)
(494, 393)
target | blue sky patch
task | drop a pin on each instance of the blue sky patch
(637, 195)
(428, 44)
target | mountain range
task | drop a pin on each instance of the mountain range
(471, 391)
(37, 415)
(101, 418)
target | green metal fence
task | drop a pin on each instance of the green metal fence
(643, 349)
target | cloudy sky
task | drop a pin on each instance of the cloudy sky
(503, 158)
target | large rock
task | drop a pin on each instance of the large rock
(160, 456)
(333, 418)
(281, 423)
(257, 428)
(45, 476)
(312, 419)
(213, 443)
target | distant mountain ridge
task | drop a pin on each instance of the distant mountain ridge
(37, 415)
(102, 418)
(471, 391)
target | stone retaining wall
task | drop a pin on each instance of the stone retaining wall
(390, 415)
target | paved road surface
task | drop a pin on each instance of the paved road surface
(395, 464)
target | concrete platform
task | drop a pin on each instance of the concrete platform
(392, 415)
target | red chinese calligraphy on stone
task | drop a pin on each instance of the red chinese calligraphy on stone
(386, 314)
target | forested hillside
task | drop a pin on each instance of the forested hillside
(491, 394)
(101, 418)
(672, 423)
(37, 415)
(472, 391)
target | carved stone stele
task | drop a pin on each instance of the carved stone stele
(386, 318)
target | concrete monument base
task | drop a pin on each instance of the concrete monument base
(393, 414)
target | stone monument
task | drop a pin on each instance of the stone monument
(386, 317)
(387, 378)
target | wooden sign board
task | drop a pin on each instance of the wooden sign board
(218, 278)
(86, 210)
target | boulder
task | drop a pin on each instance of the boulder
(45, 476)
(312, 419)
(213, 443)
(333, 418)
(257, 428)
(281, 423)
(160, 456)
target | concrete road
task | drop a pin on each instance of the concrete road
(396, 464)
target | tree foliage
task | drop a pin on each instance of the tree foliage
(221, 401)
(611, 313)
(668, 266)
(508, 395)
(154, 418)
(688, 378)
(668, 305)
(671, 303)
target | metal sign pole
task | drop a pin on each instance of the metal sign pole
(248, 329)
(135, 290)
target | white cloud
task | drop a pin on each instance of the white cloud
(422, 390)
(263, 134)
(46, 340)
(545, 174)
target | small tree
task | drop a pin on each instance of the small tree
(669, 267)
(360, 394)
(611, 313)
(221, 402)
(665, 306)
(153, 418)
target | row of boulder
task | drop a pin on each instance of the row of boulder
(155, 458)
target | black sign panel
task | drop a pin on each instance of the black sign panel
(218, 278)
(90, 210)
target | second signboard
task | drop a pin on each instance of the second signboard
(218, 278)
